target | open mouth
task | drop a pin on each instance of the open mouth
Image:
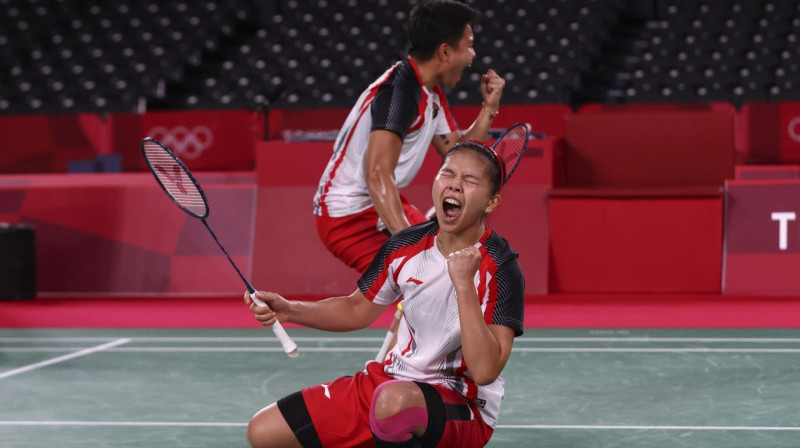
(451, 208)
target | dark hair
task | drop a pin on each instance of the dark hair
(433, 22)
(495, 171)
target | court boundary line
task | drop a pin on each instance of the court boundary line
(380, 339)
(543, 427)
(59, 359)
(676, 350)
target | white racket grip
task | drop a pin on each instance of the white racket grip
(288, 344)
(385, 346)
(389, 336)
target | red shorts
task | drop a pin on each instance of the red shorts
(355, 239)
(336, 414)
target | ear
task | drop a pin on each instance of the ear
(494, 202)
(444, 52)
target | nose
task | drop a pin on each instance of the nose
(454, 185)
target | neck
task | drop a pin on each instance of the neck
(451, 242)
(427, 71)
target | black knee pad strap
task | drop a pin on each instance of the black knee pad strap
(294, 410)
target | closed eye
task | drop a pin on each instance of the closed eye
(472, 179)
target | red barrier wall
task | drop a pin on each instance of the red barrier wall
(774, 131)
(289, 258)
(644, 211)
(119, 234)
(47, 143)
(741, 131)
(658, 149)
(761, 172)
(544, 118)
(635, 244)
(219, 140)
(762, 249)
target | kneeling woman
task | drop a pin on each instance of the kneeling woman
(463, 299)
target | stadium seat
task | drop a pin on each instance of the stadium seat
(122, 54)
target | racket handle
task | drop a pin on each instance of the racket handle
(390, 335)
(288, 344)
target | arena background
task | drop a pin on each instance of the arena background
(661, 192)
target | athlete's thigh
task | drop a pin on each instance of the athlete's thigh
(269, 429)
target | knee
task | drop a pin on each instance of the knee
(267, 429)
(394, 397)
(398, 412)
(257, 433)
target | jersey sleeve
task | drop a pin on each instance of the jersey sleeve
(506, 304)
(378, 282)
(394, 108)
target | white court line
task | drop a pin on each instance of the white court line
(656, 339)
(653, 350)
(87, 423)
(197, 339)
(372, 349)
(656, 427)
(380, 339)
(49, 362)
(242, 424)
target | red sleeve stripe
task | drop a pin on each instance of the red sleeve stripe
(423, 103)
(472, 388)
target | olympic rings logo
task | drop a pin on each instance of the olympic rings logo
(186, 143)
(794, 129)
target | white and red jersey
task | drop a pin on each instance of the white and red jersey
(399, 102)
(411, 267)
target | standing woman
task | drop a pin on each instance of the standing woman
(463, 298)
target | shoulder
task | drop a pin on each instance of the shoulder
(405, 243)
(500, 250)
(404, 79)
(412, 235)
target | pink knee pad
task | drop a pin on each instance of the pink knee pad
(399, 427)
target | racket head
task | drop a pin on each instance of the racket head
(175, 178)
(510, 147)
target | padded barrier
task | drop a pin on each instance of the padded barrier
(46, 143)
(545, 119)
(119, 234)
(640, 209)
(220, 140)
(633, 242)
(762, 237)
(774, 132)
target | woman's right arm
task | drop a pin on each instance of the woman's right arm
(344, 313)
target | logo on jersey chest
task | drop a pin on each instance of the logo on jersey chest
(435, 110)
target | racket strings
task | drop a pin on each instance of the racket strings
(175, 179)
(510, 148)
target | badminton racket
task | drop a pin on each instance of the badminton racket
(510, 147)
(391, 334)
(179, 184)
